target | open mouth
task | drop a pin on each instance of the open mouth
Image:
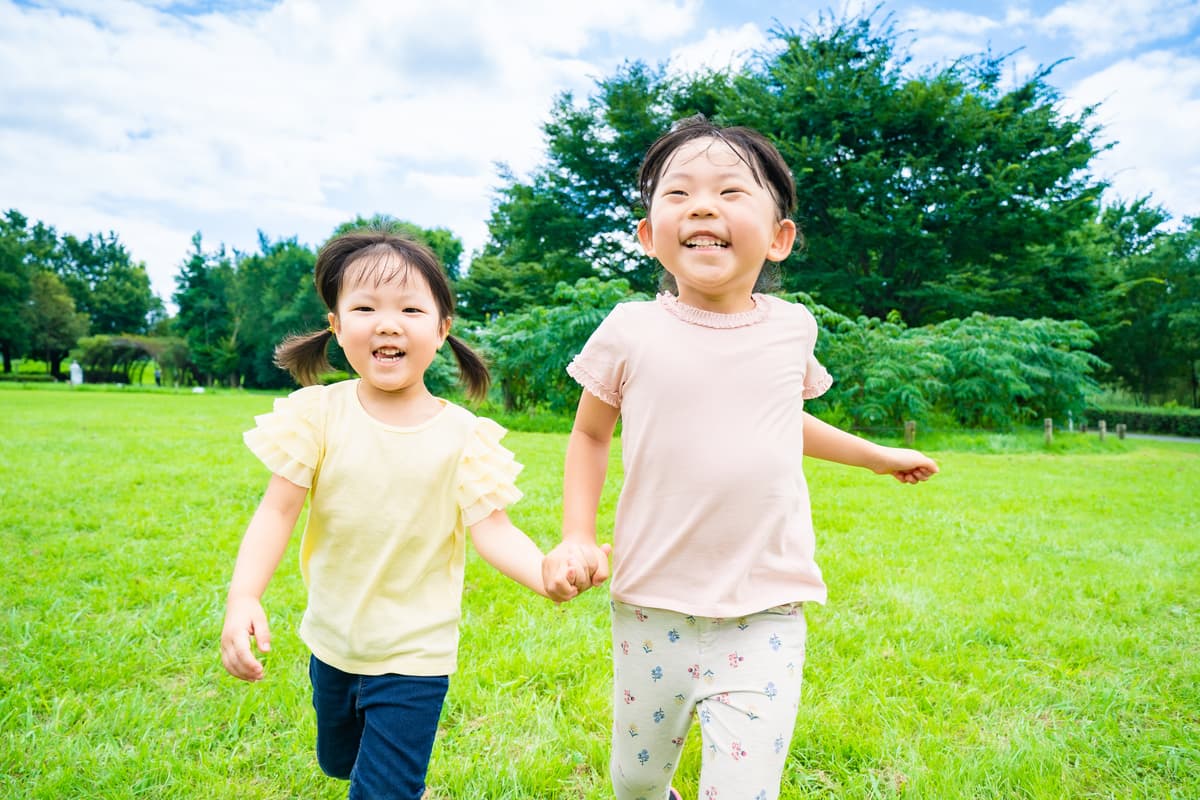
(388, 354)
(705, 242)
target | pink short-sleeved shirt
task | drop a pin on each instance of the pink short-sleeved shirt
(714, 517)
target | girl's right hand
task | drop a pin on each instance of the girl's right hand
(572, 568)
(244, 619)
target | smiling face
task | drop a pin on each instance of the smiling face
(389, 326)
(712, 225)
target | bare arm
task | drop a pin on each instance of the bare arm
(824, 441)
(583, 481)
(262, 548)
(587, 464)
(507, 548)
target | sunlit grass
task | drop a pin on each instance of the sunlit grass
(1024, 625)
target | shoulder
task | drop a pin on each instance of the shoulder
(471, 425)
(303, 403)
(622, 324)
(795, 313)
(632, 312)
(458, 415)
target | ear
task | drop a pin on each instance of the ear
(444, 331)
(646, 236)
(333, 324)
(785, 236)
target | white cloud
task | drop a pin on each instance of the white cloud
(726, 48)
(950, 23)
(295, 116)
(1119, 26)
(1150, 107)
(291, 118)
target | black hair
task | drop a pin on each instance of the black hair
(305, 356)
(759, 154)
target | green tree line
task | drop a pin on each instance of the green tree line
(958, 251)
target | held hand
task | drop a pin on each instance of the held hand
(244, 618)
(595, 571)
(571, 568)
(906, 466)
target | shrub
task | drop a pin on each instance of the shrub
(1168, 421)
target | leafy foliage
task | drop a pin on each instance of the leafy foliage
(207, 318)
(274, 298)
(531, 349)
(107, 286)
(978, 372)
(24, 249)
(124, 359)
(51, 320)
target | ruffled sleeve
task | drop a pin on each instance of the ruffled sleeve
(817, 379)
(486, 473)
(600, 366)
(288, 440)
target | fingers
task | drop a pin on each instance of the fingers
(572, 568)
(241, 624)
(600, 573)
(558, 575)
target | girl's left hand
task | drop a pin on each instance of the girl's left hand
(906, 466)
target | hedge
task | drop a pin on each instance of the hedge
(1169, 421)
(26, 377)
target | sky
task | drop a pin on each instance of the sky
(157, 120)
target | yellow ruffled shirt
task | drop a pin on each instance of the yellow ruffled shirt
(384, 547)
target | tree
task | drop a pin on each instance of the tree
(113, 291)
(575, 217)
(1152, 338)
(935, 194)
(206, 321)
(274, 298)
(530, 349)
(53, 324)
(445, 245)
(24, 249)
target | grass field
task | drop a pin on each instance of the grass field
(1023, 626)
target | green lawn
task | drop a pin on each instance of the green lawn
(1023, 626)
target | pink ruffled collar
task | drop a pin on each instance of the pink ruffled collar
(711, 319)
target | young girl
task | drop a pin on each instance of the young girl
(393, 476)
(713, 541)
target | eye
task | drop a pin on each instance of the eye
(733, 190)
(414, 310)
(362, 308)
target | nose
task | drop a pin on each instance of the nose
(388, 324)
(702, 207)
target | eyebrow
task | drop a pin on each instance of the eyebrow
(727, 175)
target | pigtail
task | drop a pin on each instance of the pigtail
(305, 355)
(472, 371)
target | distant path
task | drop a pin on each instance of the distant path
(1161, 438)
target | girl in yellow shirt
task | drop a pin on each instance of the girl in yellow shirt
(394, 477)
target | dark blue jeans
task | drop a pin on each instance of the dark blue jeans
(376, 731)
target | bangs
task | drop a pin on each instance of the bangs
(377, 265)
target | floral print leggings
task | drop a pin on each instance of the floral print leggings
(740, 677)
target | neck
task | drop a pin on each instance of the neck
(719, 302)
(403, 408)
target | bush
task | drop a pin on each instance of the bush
(987, 372)
(26, 377)
(1168, 421)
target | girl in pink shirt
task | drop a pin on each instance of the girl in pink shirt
(713, 547)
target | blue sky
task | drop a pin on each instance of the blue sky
(157, 119)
